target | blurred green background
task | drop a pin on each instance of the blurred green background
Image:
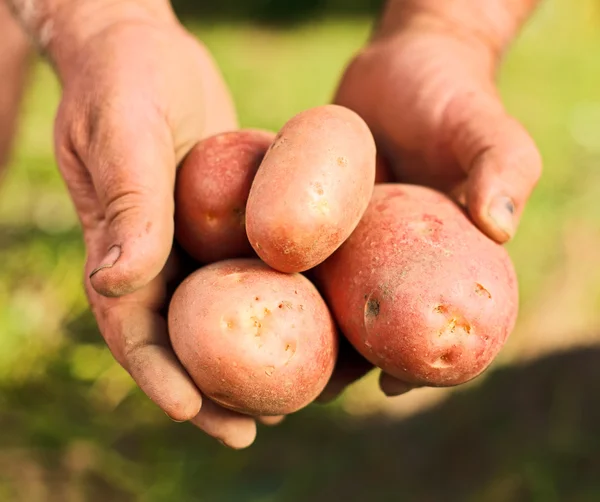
(74, 428)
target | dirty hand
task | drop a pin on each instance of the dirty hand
(138, 93)
(425, 84)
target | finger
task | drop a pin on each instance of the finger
(138, 339)
(350, 366)
(232, 429)
(392, 387)
(501, 159)
(130, 157)
(271, 421)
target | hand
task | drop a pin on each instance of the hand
(429, 96)
(136, 99)
(427, 92)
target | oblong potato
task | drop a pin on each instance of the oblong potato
(419, 290)
(253, 339)
(212, 188)
(311, 189)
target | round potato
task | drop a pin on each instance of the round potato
(311, 189)
(419, 290)
(212, 188)
(253, 339)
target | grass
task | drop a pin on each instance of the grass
(75, 428)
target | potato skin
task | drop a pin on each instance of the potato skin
(212, 188)
(419, 291)
(253, 339)
(311, 189)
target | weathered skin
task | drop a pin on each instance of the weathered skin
(254, 340)
(419, 290)
(311, 189)
(212, 188)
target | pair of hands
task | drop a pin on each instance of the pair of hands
(143, 93)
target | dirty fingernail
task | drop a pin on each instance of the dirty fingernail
(501, 211)
(109, 260)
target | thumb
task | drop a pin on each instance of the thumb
(133, 171)
(501, 159)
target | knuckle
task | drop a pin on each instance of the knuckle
(125, 202)
(73, 119)
(130, 200)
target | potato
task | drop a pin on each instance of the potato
(311, 189)
(254, 340)
(419, 291)
(212, 188)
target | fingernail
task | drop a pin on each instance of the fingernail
(109, 260)
(502, 211)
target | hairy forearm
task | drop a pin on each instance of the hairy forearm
(494, 23)
(60, 28)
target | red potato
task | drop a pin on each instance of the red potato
(212, 188)
(419, 291)
(311, 189)
(254, 340)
